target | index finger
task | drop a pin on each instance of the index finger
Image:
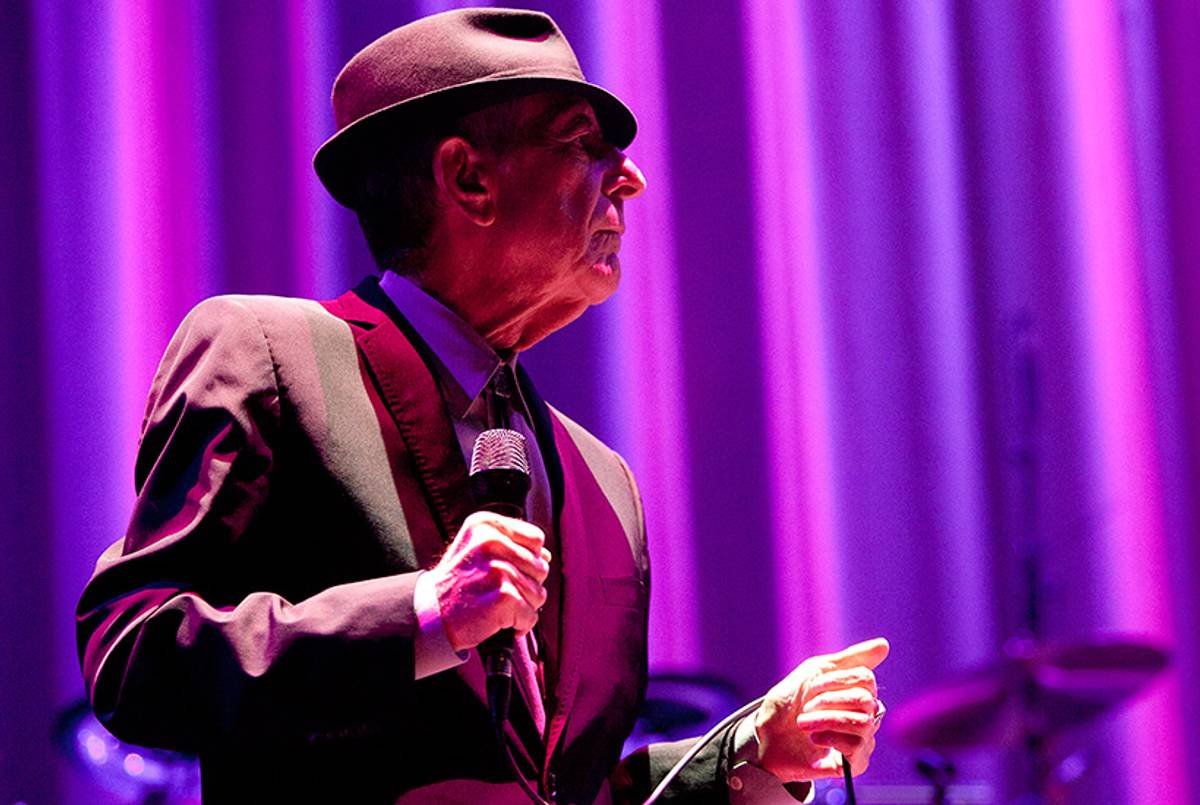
(524, 534)
(868, 653)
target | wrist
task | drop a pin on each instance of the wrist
(745, 742)
(751, 782)
(433, 649)
(441, 593)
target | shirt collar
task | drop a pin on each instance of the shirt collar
(467, 358)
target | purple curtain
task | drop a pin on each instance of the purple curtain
(914, 286)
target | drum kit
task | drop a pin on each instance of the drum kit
(1038, 690)
(1020, 703)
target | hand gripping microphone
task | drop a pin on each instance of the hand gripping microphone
(499, 479)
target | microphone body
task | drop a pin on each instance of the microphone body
(500, 483)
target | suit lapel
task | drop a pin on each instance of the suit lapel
(587, 519)
(550, 622)
(399, 363)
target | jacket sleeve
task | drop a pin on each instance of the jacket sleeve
(702, 780)
(170, 655)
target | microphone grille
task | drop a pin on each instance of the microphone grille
(500, 449)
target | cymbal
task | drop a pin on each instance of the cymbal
(1037, 691)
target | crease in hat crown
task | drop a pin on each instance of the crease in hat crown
(471, 56)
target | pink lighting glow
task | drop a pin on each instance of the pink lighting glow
(135, 764)
(808, 604)
(96, 748)
(647, 334)
(1114, 326)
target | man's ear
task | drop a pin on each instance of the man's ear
(465, 177)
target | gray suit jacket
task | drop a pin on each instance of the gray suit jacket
(296, 470)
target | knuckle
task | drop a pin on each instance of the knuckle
(492, 543)
(500, 573)
(533, 535)
(858, 678)
(508, 606)
(475, 519)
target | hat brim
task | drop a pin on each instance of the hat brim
(346, 158)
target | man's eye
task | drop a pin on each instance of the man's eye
(593, 144)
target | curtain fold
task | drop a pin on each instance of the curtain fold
(913, 290)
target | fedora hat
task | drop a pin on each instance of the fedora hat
(412, 81)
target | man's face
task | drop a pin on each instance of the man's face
(560, 203)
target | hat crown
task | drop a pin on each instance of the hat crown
(439, 68)
(449, 49)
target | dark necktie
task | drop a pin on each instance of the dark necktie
(504, 411)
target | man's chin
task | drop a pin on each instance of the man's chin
(605, 277)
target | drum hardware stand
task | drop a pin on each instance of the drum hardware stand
(939, 771)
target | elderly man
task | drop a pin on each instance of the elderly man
(304, 583)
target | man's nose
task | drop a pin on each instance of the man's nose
(626, 180)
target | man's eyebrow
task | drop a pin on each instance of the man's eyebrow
(579, 121)
(565, 122)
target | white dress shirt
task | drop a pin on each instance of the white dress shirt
(464, 369)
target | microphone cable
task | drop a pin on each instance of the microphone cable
(498, 726)
(670, 776)
(705, 739)
(688, 756)
(848, 779)
(847, 775)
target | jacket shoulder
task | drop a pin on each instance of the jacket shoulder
(596, 453)
(261, 307)
(286, 326)
(611, 472)
(237, 344)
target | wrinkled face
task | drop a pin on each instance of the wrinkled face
(560, 204)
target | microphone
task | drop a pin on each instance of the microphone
(499, 479)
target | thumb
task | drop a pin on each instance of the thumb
(868, 653)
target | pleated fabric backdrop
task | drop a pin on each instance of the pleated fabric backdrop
(915, 284)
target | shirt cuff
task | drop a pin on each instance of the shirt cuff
(432, 652)
(753, 785)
